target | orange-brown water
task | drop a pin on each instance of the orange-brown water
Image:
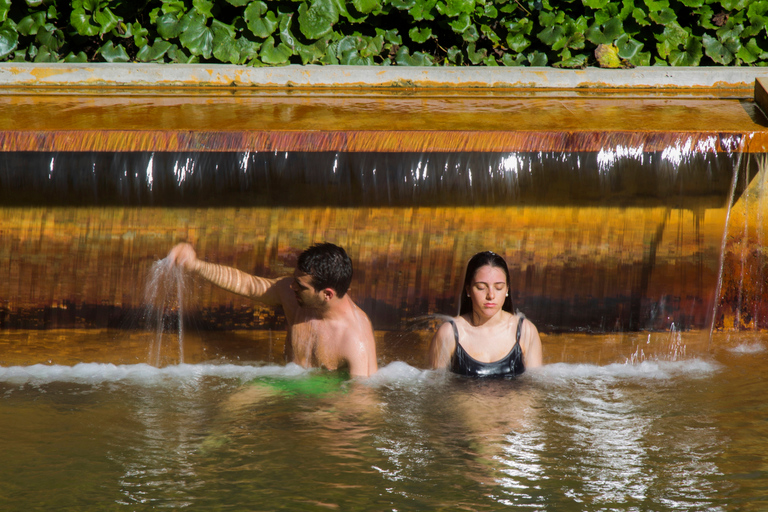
(663, 421)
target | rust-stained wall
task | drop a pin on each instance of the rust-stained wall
(572, 268)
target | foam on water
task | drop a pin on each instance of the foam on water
(748, 348)
(395, 374)
(399, 374)
(647, 370)
(98, 373)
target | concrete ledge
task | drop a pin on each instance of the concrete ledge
(180, 75)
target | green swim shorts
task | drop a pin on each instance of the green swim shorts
(313, 384)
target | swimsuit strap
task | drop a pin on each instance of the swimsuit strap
(519, 327)
(455, 331)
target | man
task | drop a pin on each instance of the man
(325, 327)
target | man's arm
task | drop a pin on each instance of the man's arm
(261, 289)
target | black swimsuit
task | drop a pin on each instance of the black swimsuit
(508, 366)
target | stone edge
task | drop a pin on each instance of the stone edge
(221, 75)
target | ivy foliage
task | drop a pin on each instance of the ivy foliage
(559, 33)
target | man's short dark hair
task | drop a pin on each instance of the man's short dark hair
(329, 266)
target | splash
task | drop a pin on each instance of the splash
(164, 298)
(672, 348)
(140, 374)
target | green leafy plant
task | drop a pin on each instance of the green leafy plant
(565, 33)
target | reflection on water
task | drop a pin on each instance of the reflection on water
(594, 429)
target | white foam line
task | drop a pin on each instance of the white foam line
(96, 373)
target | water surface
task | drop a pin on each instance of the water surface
(662, 421)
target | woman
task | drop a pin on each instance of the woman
(486, 339)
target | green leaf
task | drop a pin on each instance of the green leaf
(318, 20)
(82, 23)
(9, 38)
(716, 50)
(641, 59)
(552, 35)
(476, 57)
(403, 58)
(523, 26)
(461, 24)
(259, 19)
(471, 34)
(640, 17)
(224, 46)
(537, 58)
(313, 52)
(628, 47)
(606, 33)
(238, 3)
(169, 26)
(403, 5)
(390, 36)
(330, 54)
(203, 7)
(176, 54)
(735, 5)
(5, 7)
(366, 6)
(656, 5)
(80, 57)
(489, 34)
(50, 37)
(751, 52)
(731, 30)
(575, 62)
(454, 8)
(29, 25)
(112, 53)
(137, 32)
(106, 20)
(271, 54)
(153, 53)
(422, 10)
(517, 42)
(177, 7)
(196, 36)
(673, 36)
(454, 55)
(286, 36)
(596, 4)
(348, 52)
(419, 35)
(489, 11)
(93, 17)
(663, 16)
(518, 60)
(248, 50)
(45, 54)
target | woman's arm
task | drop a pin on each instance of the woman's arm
(531, 345)
(442, 347)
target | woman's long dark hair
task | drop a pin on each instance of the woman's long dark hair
(475, 262)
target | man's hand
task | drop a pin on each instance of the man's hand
(184, 256)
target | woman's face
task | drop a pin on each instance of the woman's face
(488, 290)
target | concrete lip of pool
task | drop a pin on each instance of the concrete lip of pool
(629, 205)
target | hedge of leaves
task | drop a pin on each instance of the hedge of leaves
(564, 33)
